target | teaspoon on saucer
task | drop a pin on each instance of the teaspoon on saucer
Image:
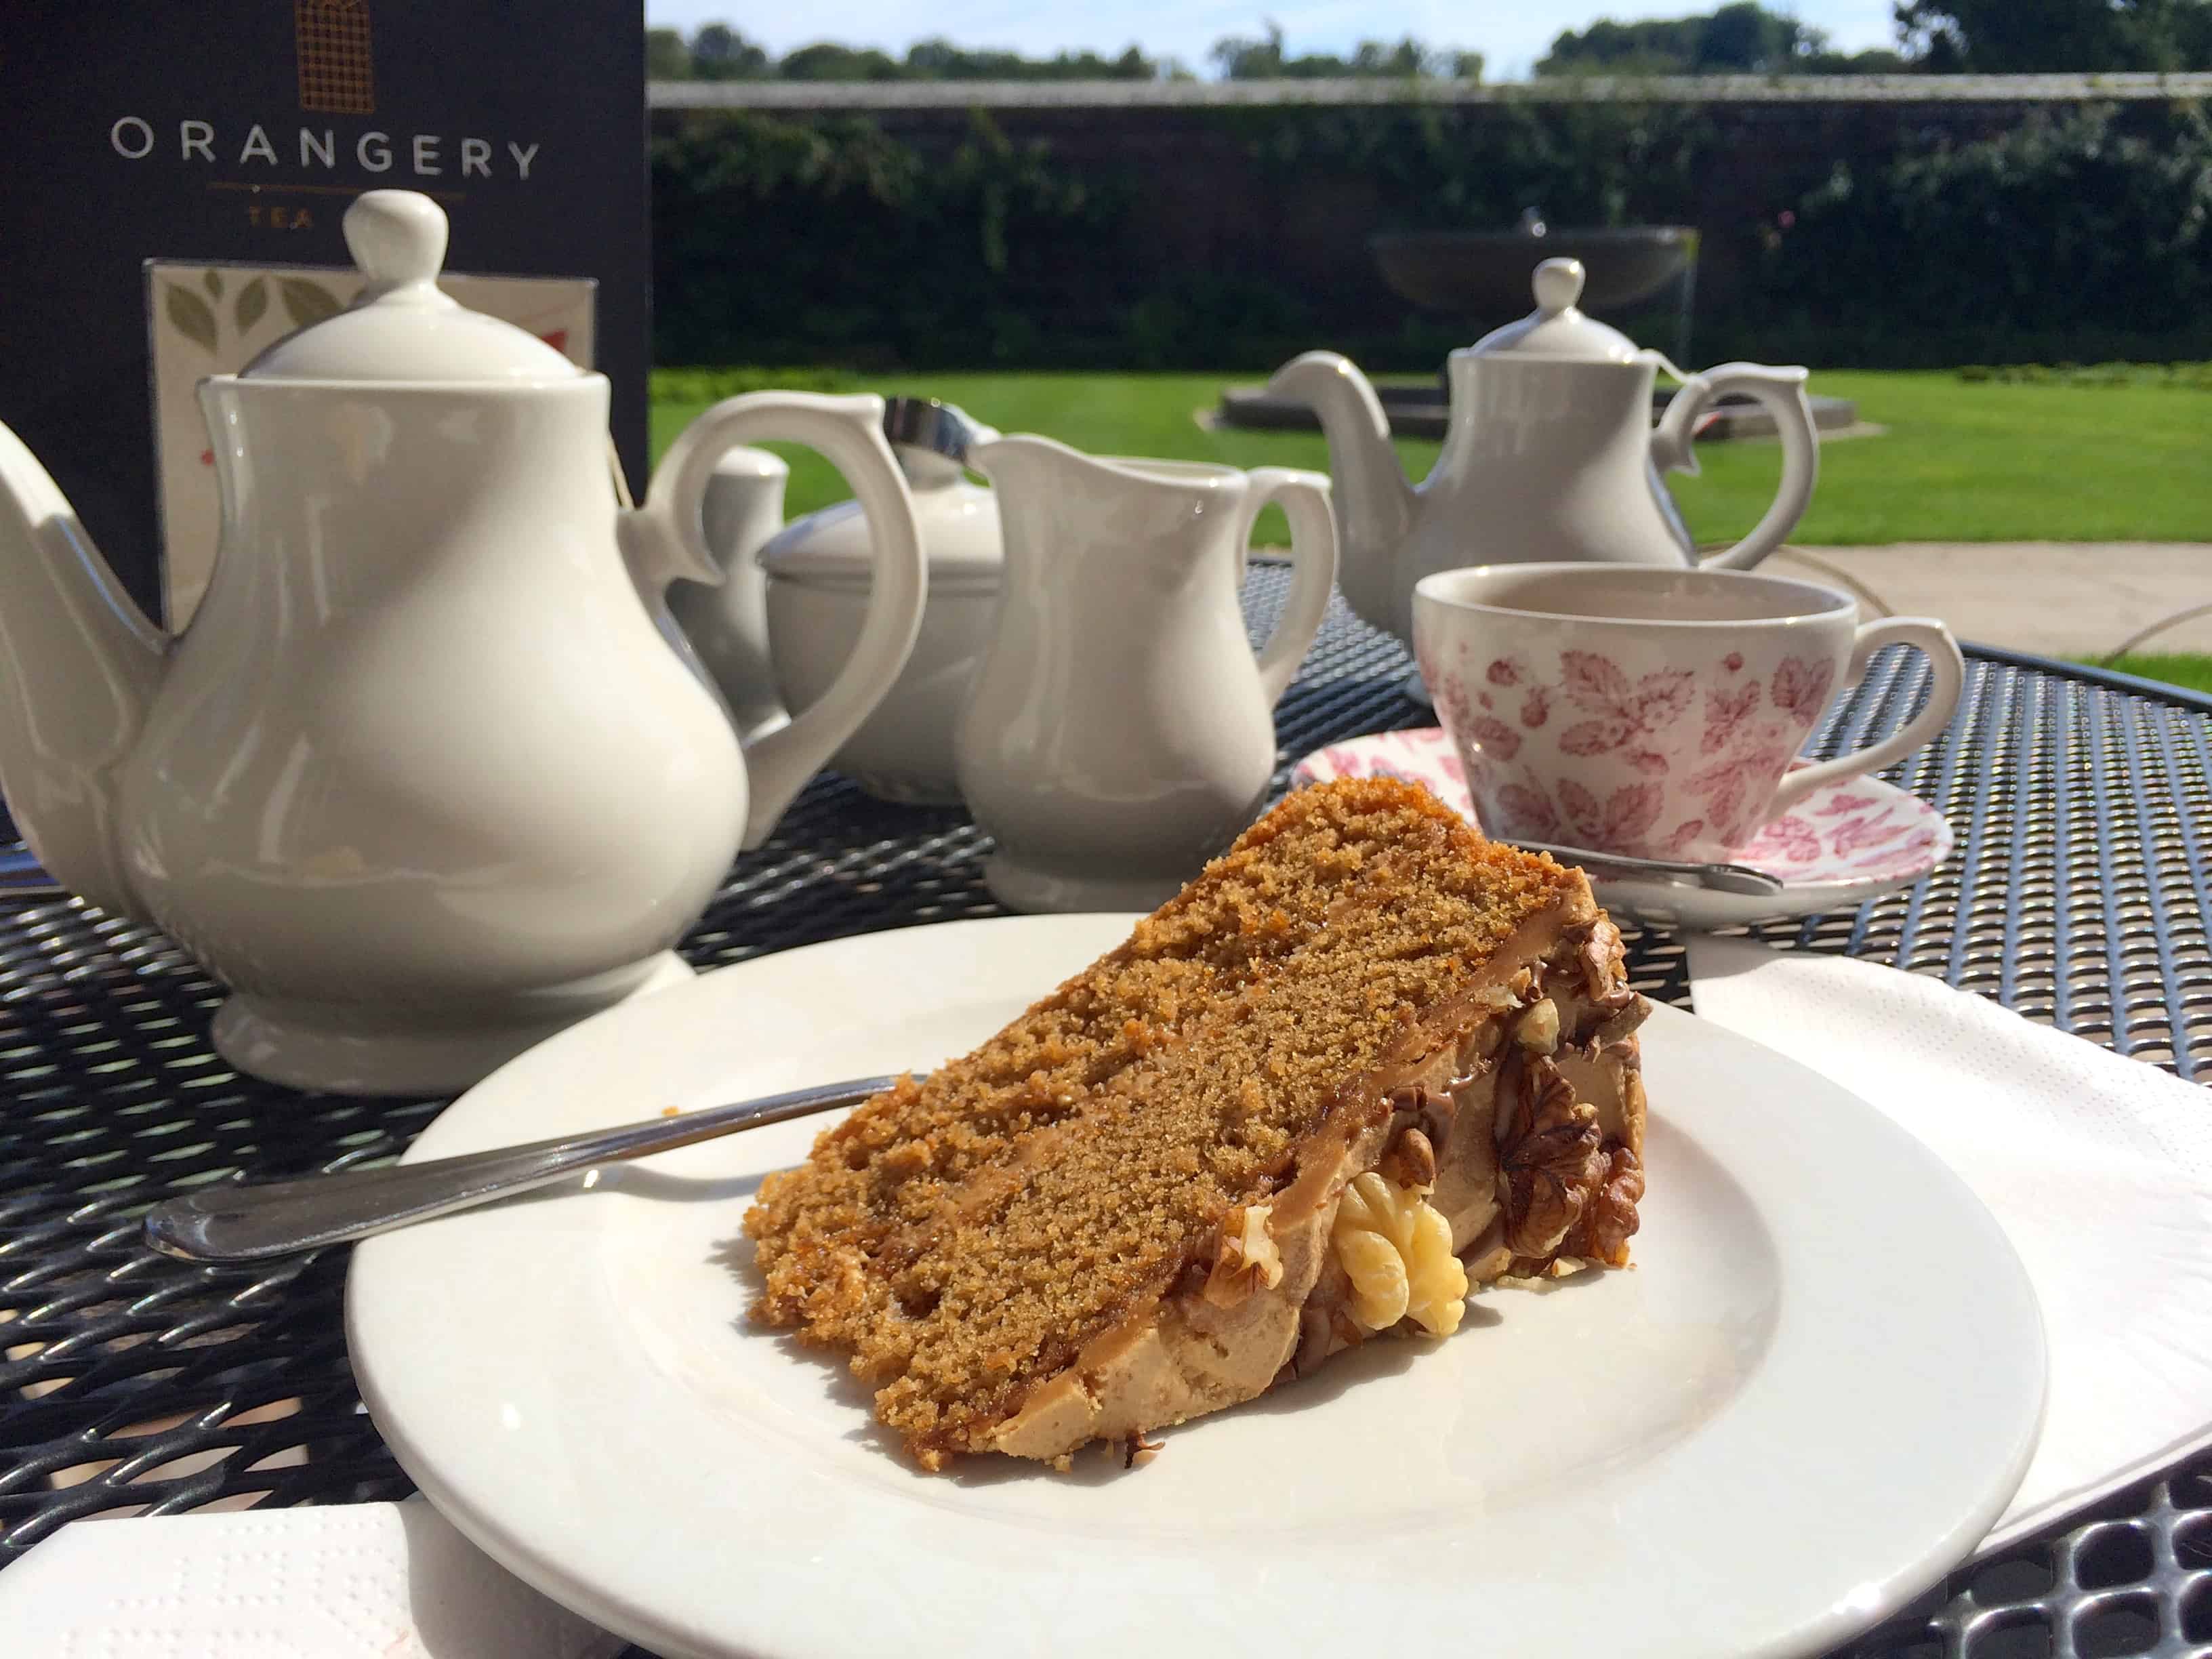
(1716, 878)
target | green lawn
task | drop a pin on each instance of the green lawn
(1960, 460)
(2174, 667)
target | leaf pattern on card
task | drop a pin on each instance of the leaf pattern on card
(307, 302)
(252, 305)
(189, 315)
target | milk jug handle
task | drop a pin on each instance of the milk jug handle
(1304, 500)
(848, 432)
(1781, 392)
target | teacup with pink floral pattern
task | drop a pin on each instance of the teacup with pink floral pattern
(1631, 708)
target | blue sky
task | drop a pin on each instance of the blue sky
(1512, 34)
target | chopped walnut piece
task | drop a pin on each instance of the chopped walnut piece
(1602, 972)
(1407, 1097)
(1620, 1025)
(1248, 1259)
(1410, 1161)
(1432, 1111)
(1539, 1028)
(1610, 1221)
(1137, 1451)
(1550, 1162)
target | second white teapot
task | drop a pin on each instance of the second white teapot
(1549, 454)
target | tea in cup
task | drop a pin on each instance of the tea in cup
(1656, 713)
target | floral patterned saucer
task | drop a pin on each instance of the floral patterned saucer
(1840, 846)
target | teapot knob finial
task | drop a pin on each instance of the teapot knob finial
(1558, 284)
(397, 238)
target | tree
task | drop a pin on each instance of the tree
(828, 60)
(1743, 37)
(1747, 38)
(1239, 59)
(719, 53)
(666, 56)
(1874, 60)
(2008, 37)
(941, 60)
(1242, 59)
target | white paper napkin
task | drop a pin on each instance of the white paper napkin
(2098, 1167)
(353, 1581)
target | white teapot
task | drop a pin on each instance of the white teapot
(422, 780)
(1550, 454)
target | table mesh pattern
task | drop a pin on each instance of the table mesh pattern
(130, 1382)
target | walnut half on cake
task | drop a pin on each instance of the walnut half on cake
(1364, 1059)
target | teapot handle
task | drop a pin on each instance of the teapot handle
(1304, 498)
(1781, 391)
(848, 432)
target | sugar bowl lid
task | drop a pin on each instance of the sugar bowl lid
(961, 536)
(403, 326)
(1559, 327)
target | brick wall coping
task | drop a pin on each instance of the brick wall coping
(1567, 89)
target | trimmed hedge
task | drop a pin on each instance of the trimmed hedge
(2075, 236)
(780, 240)
(2081, 236)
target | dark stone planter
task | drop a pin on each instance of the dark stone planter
(1485, 274)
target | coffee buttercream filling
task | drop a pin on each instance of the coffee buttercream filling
(1187, 1354)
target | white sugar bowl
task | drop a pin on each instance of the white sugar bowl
(817, 594)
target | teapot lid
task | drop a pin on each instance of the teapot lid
(403, 327)
(1558, 327)
(961, 537)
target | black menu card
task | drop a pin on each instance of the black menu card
(177, 169)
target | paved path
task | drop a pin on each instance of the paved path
(2065, 599)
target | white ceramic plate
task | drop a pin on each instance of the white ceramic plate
(1816, 1391)
(1841, 846)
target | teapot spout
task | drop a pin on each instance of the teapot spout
(79, 665)
(1375, 504)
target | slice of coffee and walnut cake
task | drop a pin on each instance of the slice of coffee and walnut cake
(1366, 1059)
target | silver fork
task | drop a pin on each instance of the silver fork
(252, 1222)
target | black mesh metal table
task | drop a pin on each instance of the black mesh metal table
(130, 1382)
